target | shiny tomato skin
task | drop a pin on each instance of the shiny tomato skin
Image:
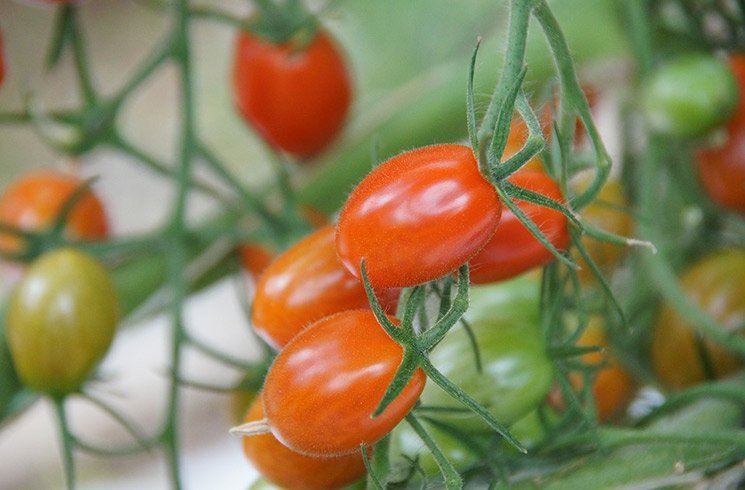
(289, 469)
(33, 202)
(716, 284)
(721, 169)
(304, 284)
(296, 98)
(417, 217)
(61, 320)
(325, 384)
(513, 249)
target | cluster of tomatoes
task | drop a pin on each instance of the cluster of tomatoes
(348, 307)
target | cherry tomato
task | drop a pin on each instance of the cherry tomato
(305, 284)
(34, 201)
(288, 469)
(606, 212)
(417, 216)
(296, 97)
(721, 169)
(513, 249)
(516, 371)
(61, 320)
(680, 356)
(323, 387)
(689, 95)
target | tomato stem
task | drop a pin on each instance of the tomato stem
(67, 442)
(453, 481)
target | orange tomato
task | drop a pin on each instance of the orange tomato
(35, 200)
(288, 469)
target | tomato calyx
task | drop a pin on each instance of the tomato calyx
(416, 347)
(279, 24)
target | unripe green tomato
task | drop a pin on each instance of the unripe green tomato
(689, 95)
(407, 446)
(61, 321)
(516, 370)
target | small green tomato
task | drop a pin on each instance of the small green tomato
(516, 370)
(61, 321)
(689, 95)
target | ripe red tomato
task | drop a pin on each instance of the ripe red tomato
(513, 249)
(61, 320)
(289, 469)
(418, 216)
(323, 387)
(297, 99)
(305, 284)
(32, 202)
(721, 169)
(680, 356)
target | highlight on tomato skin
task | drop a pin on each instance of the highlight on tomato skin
(680, 356)
(513, 249)
(721, 168)
(33, 202)
(417, 216)
(296, 97)
(304, 284)
(288, 469)
(323, 387)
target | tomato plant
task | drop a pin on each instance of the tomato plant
(609, 212)
(323, 387)
(35, 200)
(305, 284)
(289, 469)
(689, 95)
(680, 356)
(516, 372)
(295, 94)
(721, 168)
(613, 386)
(513, 249)
(417, 216)
(407, 448)
(61, 320)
